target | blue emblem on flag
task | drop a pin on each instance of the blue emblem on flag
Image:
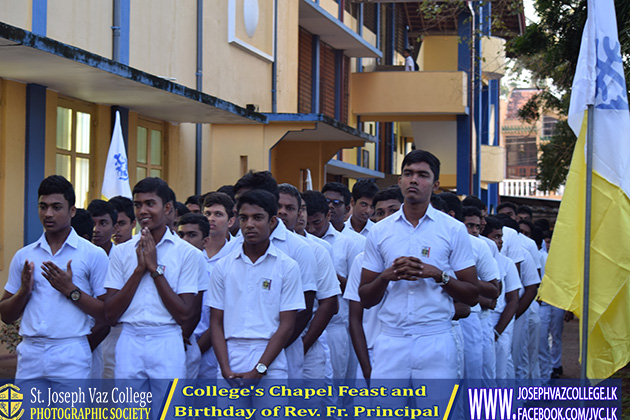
(611, 84)
(121, 166)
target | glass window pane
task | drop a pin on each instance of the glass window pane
(141, 173)
(156, 173)
(82, 181)
(64, 128)
(63, 166)
(156, 147)
(83, 132)
(141, 150)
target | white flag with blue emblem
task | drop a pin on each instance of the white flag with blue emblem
(116, 179)
(599, 81)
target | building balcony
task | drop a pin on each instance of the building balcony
(527, 188)
(492, 163)
(408, 96)
(492, 57)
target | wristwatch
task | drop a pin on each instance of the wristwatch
(159, 271)
(75, 295)
(261, 368)
(445, 279)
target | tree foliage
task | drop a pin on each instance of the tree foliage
(549, 50)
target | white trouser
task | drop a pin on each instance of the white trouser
(193, 358)
(489, 370)
(544, 355)
(155, 352)
(503, 349)
(315, 361)
(520, 348)
(208, 366)
(97, 363)
(295, 359)
(424, 352)
(244, 354)
(556, 325)
(533, 344)
(58, 358)
(339, 345)
(473, 346)
(108, 347)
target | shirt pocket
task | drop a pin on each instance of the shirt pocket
(270, 291)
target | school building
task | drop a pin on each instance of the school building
(209, 89)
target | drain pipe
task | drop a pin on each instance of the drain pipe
(274, 65)
(116, 31)
(199, 74)
(471, 97)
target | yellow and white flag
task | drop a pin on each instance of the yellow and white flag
(116, 178)
(599, 81)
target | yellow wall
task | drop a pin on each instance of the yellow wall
(12, 132)
(493, 57)
(438, 53)
(287, 65)
(17, 13)
(83, 24)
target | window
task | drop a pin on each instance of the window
(73, 147)
(549, 126)
(150, 153)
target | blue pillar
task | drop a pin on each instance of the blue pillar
(39, 19)
(125, 12)
(464, 121)
(477, 98)
(315, 75)
(35, 156)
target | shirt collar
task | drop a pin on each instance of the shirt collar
(72, 240)
(271, 250)
(280, 232)
(431, 213)
(331, 231)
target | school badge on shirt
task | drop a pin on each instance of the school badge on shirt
(426, 250)
(266, 284)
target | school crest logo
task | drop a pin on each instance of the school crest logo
(426, 250)
(266, 284)
(10, 402)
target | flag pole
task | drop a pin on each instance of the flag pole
(587, 237)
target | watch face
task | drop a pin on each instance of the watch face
(260, 368)
(75, 295)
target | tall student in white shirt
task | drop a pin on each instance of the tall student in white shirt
(254, 296)
(363, 192)
(53, 285)
(151, 284)
(408, 255)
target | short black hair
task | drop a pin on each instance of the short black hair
(222, 199)
(193, 199)
(339, 188)
(543, 224)
(390, 193)
(537, 236)
(195, 219)
(99, 208)
(56, 184)
(154, 185)
(229, 190)
(429, 158)
(83, 224)
(528, 223)
(260, 198)
(123, 205)
(289, 189)
(181, 209)
(172, 196)
(257, 180)
(473, 200)
(470, 211)
(315, 202)
(524, 209)
(364, 188)
(492, 223)
(508, 221)
(506, 204)
(438, 203)
(453, 203)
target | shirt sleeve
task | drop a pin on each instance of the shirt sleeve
(307, 265)
(215, 297)
(327, 282)
(461, 250)
(512, 281)
(99, 267)
(115, 278)
(204, 275)
(529, 273)
(292, 297)
(372, 259)
(487, 268)
(354, 279)
(15, 274)
(191, 271)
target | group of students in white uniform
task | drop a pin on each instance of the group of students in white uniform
(279, 284)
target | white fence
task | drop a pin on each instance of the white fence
(526, 188)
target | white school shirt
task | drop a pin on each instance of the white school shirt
(439, 240)
(529, 273)
(252, 295)
(325, 276)
(364, 231)
(182, 268)
(357, 241)
(204, 320)
(48, 313)
(512, 245)
(487, 269)
(543, 260)
(509, 279)
(530, 246)
(291, 244)
(371, 323)
(343, 248)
